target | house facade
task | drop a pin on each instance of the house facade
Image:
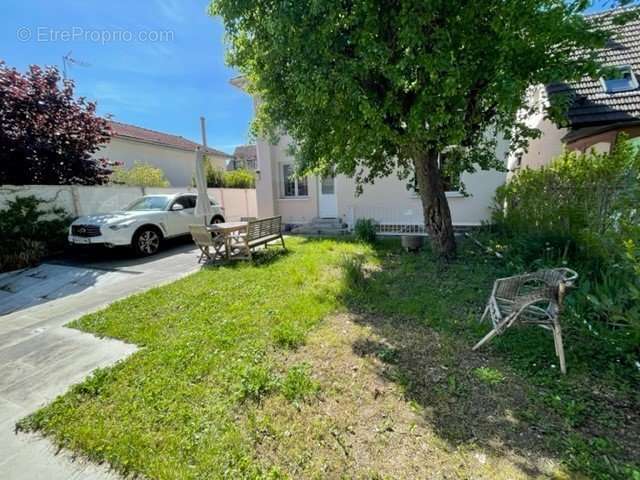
(600, 108)
(389, 201)
(244, 157)
(173, 154)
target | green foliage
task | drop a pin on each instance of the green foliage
(240, 179)
(219, 178)
(489, 375)
(297, 384)
(365, 230)
(140, 175)
(289, 335)
(215, 177)
(368, 89)
(353, 270)
(29, 230)
(582, 211)
(256, 381)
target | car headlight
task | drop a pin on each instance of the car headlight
(122, 226)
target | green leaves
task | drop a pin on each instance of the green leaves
(365, 84)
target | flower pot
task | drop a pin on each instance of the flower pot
(412, 243)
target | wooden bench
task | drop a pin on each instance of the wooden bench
(261, 231)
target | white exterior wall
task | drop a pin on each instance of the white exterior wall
(387, 201)
(178, 165)
(80, 200)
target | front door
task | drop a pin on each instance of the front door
(327, 201)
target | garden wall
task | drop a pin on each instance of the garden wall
(82, 200)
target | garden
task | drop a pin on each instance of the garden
(344, 358)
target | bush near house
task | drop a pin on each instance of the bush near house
(241, 178)
(218, 178)
(582, 211)
(29, 231)
(140, 175)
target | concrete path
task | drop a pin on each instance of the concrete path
(40, 358)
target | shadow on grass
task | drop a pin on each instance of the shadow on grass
(427, 313)
(260, 258)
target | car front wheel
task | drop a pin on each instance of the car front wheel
(146, 241)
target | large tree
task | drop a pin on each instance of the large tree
(375, 87)
(47, 136)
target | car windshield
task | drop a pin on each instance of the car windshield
(149, 203)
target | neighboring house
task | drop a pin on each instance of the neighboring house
(395, 207)
(173, 154)
(600, 108)
(244, 157)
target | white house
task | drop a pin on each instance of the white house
(600, 108)
(395, 207)
(173, 154)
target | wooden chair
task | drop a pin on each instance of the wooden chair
(261, 231)
(534, 298)
(205, 241)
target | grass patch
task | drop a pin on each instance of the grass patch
(488, 375)
(298, 385)
(380, 340)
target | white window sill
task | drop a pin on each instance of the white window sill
(295, 198)
(452, 194)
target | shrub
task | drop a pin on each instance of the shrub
(365, 230)
(239, 179)
(140, 175)
(582, 211)
(29, 231)
(218, 178)
(215, 177)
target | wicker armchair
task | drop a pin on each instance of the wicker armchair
(534, 298)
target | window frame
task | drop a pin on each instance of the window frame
(296, 183)
(449, 193)
(631, 85)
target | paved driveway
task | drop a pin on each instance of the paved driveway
(40, 358)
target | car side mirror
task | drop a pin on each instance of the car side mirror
(177, 207)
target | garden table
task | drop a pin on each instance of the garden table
(228, 230)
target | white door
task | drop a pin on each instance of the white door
(327, 201)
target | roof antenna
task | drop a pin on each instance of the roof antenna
(68, 60)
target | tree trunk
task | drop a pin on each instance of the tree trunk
(437, 216)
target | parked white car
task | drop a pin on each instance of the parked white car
(144, 224)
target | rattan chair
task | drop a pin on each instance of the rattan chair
(533, 298)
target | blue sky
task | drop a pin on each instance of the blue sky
(163, 81)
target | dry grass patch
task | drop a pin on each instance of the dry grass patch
(366, 422)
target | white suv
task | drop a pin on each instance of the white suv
(144, 224)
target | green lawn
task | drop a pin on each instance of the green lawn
(338, 360)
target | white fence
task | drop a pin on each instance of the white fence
(390, 220)
(79, 200)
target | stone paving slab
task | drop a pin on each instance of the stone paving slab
(40, 358)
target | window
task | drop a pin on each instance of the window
(149, 203)
(451, 181)
(290, 186)
(187, 201)
(624, 80)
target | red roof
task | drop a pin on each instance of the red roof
(151, 136)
